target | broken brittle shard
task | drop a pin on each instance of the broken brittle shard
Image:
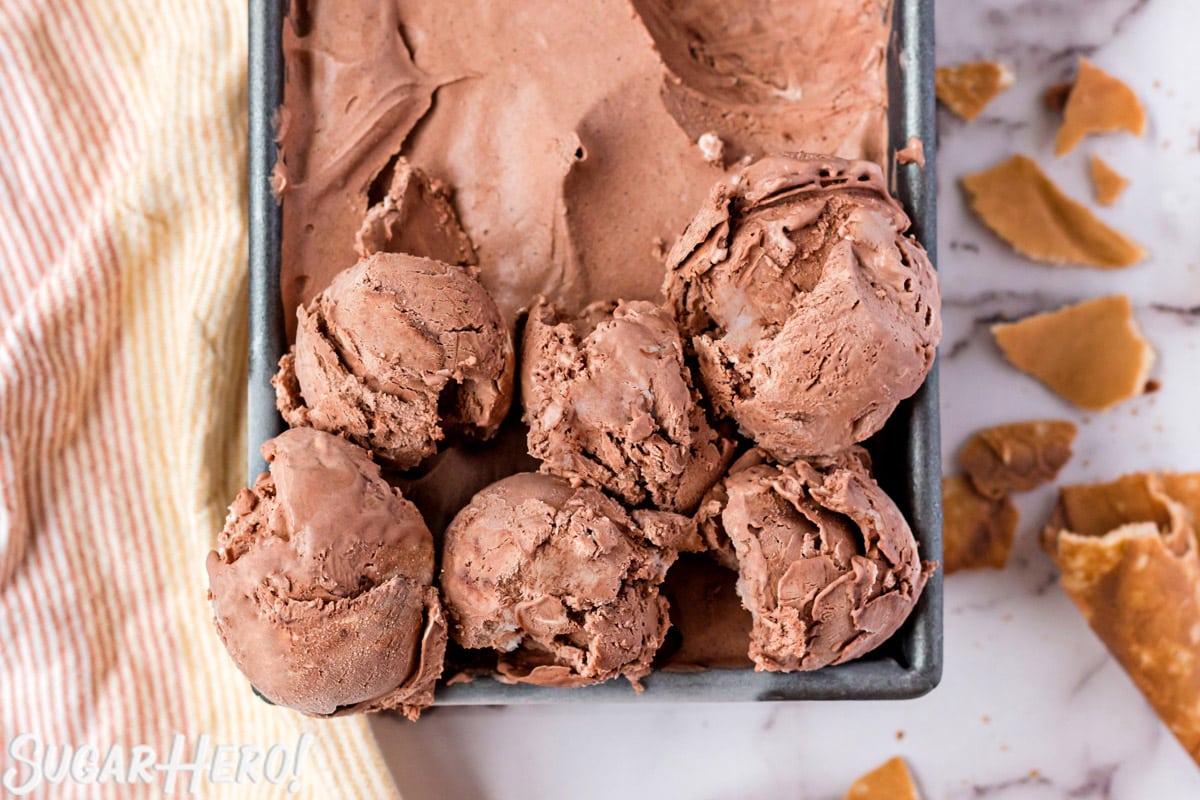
(1024, 208)
(1017, 457)
(977, 530)
(1091, 353)
(1128, 555)
(1098, 103)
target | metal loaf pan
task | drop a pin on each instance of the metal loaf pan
(906, 452)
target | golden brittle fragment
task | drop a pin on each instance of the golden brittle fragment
(1107, 183)
(966, 89)
(1024, 208)
(977, 531)
(1129, 560)
(1094, 509)
(1098, 103)
(889, 781)
(1184, 488)
(1017, 457)
(1092, 353)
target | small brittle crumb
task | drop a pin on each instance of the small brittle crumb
(889, 781)
(1055, 96)
(1107, 183)
(966, 89)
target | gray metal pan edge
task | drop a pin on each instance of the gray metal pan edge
(911, 470)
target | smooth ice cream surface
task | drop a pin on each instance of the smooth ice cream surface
(827, 565)
(569, 131)
(609, 400)
(395, 354)
(562, 580)
(709, 627)
(322, 583)
(812, 314)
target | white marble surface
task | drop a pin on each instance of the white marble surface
(1031, 706)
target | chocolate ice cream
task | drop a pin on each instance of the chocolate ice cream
(707, 617)
(812, 314)
(557, 150)
(322, 583)
(562, 581)
(414, 217)
(609, 400)
(395, 354)
(570, 131)
(827, 565)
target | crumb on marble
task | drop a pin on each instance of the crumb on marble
(967, 89)
(1055, 96)
(1107, 183)
(889, 781)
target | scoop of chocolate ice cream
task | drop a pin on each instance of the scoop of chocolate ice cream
(322, 583)
(827, 565)
(811, 313)
(397, 352)
(609, 400)
(562, 580)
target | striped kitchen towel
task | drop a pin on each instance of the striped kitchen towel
(122, 394)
